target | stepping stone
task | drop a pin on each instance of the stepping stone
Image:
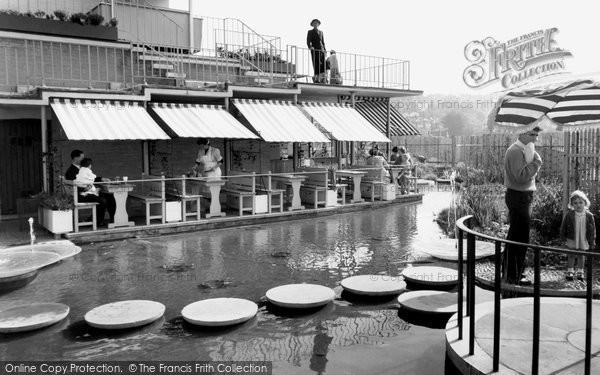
(5, 281)
(124, 314)
(431, 276)
(217, 312)
(20, 263)
(300, 296)
(447, 249)
(430, 301)
(63, 249)
(374, 285)
(32, 316)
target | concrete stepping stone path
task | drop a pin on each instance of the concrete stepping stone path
(29, 317)
(300, 296)
(429, 301)
(21, 263)
(374, 285)
(447, 249)
(124, 314)
(217, 312)
(431, 276)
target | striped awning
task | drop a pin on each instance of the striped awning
(105, 120)
(343, 122)
(376, 113)
(565, 106)
(201, 121)
(279, 121)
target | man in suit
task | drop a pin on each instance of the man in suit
(105, 200)
(316, 43)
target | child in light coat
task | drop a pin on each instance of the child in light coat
(579, 231)
(86, 178)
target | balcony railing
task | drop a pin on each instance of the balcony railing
(464, 230)
(356, 70)
(50, 61)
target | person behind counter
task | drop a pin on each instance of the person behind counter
(208, 160)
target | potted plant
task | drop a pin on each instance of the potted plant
(57, 212)
(77, 25)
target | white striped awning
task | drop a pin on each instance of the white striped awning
(201, 121)
(279, 121)
(105, 120)
(376, 113)
(343, 122)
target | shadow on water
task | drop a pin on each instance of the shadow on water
(50, 330)
(359, 299)
(81, 331)
(429, 320)
(9, 284)
(285, 312)
(217, 331)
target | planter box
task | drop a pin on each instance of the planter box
(283, 68)
(24, 24)
(332, 198)
(173, 210)
(389, 192)
(58, 222)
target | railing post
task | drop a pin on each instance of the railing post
(536, 313)
(471, 291)
(383, 72)
(588, 317)
(355, 72)
(460, 283)
(497, 289)
(42, 64)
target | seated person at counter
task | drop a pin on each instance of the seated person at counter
(376, 159)
(86, 178)
(208, 160)
(106, 201)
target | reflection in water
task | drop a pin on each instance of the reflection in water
(235, 263)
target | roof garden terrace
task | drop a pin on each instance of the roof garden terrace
(165, 48)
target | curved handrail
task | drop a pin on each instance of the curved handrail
(462, 228)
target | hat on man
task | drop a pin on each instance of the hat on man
(315, 20)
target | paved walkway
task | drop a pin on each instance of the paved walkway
(562, 337)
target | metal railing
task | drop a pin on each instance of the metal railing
(356, 70)
(462, 227)
(48, 6)
(29, 62)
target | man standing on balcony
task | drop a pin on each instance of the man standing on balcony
(521, 165)
(316, 43)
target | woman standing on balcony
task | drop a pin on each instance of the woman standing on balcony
(316, 43)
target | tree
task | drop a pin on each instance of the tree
(456, 123)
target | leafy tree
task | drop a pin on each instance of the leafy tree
(456, 123)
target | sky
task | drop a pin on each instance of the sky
(432, 35)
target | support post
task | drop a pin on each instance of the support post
(44, 129)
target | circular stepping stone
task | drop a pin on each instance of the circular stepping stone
(217, 312)
(447, 249)
(15, 264)
(374, 285)
(31, 316)
(4, 281)
(124, 314)
(63, 249)
(300, 296)
(431, 276)
(429, 301)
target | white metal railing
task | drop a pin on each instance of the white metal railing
(356, 70)
(48, 6)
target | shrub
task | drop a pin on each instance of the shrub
(94, 19)
(40, 14)
(61, 15)
(546, 213)
(113, 22)
(59, 201)
(78, 18)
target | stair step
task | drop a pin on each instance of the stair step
(175, 75)
(163, 66)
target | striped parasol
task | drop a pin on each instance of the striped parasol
(568, 106)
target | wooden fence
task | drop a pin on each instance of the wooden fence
(570, 157)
